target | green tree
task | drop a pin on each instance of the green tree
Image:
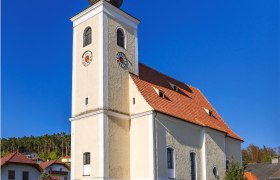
(5, 153)
(45, 176)
(59, 143)
(268, 154)
(42, 156)
(53, 156)
(235, 172)
(245, 157)
(255, 154)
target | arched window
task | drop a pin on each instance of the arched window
(120, 38)
(227, 164)
(87, 36)
(193, 165)
(170, 162)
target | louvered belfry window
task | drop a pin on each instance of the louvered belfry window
(87, 36)
(120, 38)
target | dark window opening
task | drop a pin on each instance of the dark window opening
(215, 172)
(86, 158)
(211, 113)
(11, 174)
(170, 158)
(86, 101)
(25, 175)
(161, 94)
(87, 36)
(227, 164)
(133, 100)
(120, 38)
(193, 166)
(175, 88)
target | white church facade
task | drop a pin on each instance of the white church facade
(130, 121)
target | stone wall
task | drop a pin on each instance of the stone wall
(184, 138)
(118, 78)
(215, 154)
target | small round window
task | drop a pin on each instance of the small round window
(215, 172)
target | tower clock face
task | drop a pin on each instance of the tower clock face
(87, 58)
(121, 60)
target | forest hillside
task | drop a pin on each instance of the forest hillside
(47, 146)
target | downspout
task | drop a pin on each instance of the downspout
(155, 150)
(203, 152)
(225, 150)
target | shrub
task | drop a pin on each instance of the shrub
(234, 171)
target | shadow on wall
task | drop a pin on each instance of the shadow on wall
(184, 134)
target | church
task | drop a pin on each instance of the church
(130, 121)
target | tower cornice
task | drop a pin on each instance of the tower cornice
(103, 6)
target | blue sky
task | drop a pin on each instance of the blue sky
(227, 49)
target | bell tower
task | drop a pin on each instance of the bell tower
(105, 51)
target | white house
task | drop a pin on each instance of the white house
(56, 169)
(130, 121)
(18, 167)
(66, 159)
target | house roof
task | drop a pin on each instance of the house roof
(188, 103)
(18, 158)
(276, 175)
(250, 176)
(45, 165)
(28, 153)
(67, 157)
(264, 170)
(54, 177)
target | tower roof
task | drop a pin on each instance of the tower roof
(116, 3)
(186, 102)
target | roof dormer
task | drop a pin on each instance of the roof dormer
(209, 112)
(174, 87)
(160, 92)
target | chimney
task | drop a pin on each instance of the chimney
(275, 160)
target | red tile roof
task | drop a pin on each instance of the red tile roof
(250, 176)
(17, 158)
(67, 157)
(54, 178)
(45, 165)
(187, 103)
